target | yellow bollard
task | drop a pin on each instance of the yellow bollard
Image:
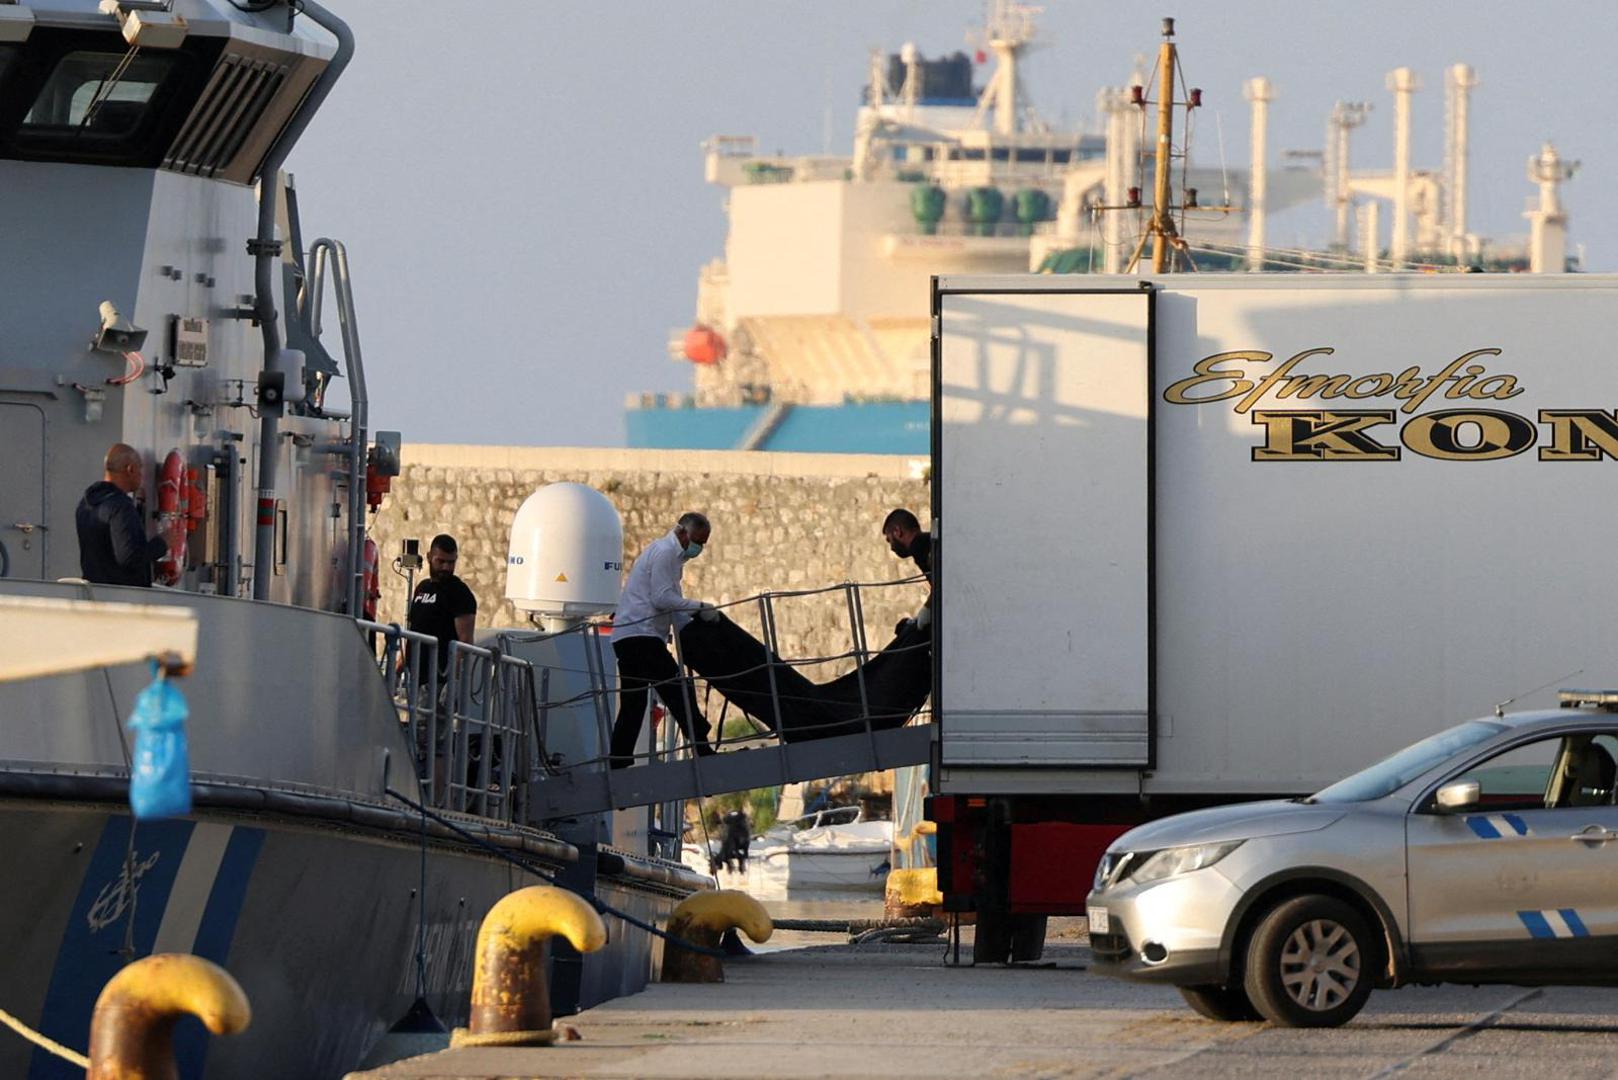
(702, 919)
(912, 893)
(132, 1029)
(511, 1000)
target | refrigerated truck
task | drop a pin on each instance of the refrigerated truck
(1214, 538)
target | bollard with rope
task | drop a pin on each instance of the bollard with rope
(511, 1003)
(703, 919)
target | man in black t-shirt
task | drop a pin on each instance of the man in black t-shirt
(442, 605)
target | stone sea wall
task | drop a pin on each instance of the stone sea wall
(780, 521)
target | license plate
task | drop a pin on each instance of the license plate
(1098, 920)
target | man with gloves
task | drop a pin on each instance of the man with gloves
(650, 606)
(907, 540)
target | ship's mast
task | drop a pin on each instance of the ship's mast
(1007, 32)
(1160, 228)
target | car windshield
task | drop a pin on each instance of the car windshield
(1392, 773)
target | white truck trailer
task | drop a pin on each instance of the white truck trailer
(1212, 538)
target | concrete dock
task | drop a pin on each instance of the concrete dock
(897, 1010)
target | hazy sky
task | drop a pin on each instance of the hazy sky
(519, 182)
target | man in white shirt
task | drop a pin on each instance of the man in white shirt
(650, 606)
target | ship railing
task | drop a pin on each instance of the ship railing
(466, 733)
(490, 702)
(409, 662)
(1002, 229)
(774, 750)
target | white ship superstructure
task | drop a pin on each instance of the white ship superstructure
(811, 333)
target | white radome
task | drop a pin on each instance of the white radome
(566, 552)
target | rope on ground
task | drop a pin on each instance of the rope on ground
(522, 864)
(900, 935)
(865, 931)
(44, 1041)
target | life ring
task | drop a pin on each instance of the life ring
(173, 496)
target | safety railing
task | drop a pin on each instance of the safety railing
(760, 614)
(490, 702)
(467, 733)
(409, 662)
(483, 732)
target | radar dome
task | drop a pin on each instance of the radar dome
(566, 554)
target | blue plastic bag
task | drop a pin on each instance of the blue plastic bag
(160, 782)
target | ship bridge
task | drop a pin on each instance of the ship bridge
(518, 725)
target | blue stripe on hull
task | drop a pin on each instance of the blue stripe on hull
(1536, 924)
(92, 949)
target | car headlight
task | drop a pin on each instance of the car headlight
(1105, 869)
(1155, 866)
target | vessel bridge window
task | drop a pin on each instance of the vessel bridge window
(88, 92)
(82, 96)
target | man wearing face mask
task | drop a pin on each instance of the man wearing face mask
(907, 540)
(650, 606)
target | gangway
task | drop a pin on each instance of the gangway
(589, 790)
(538, 714)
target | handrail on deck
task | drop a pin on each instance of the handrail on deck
(479, 735)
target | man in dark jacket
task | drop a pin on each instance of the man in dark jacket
(907, 540)
(113, 546)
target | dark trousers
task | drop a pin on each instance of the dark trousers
(644, 664)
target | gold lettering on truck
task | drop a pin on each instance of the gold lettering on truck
(1322, 436)
(1246, 377)
(1227, 375)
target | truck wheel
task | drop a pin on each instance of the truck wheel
(1310, 963)
(991, 938)
(1027, 938)
(1228, 1004)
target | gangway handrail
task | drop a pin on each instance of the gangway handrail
(485, 693)
(496, 702)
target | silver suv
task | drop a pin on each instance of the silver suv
(1487, 853)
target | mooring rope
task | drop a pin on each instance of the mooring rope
(601, 906)
(44, 1041)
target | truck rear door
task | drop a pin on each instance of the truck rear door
(1042, 501)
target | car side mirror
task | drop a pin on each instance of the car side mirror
(1458, 795)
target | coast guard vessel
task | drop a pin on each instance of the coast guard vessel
(156, 290)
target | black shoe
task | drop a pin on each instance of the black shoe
(620, 762)
(704, 749)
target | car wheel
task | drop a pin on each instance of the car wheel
(1310, 963)
(1228, 1004)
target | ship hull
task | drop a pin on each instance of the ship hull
(320, 923)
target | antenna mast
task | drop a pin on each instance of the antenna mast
(1160, 228)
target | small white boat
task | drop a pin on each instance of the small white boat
(832, 850)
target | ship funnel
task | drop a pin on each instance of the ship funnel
(565, 558)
